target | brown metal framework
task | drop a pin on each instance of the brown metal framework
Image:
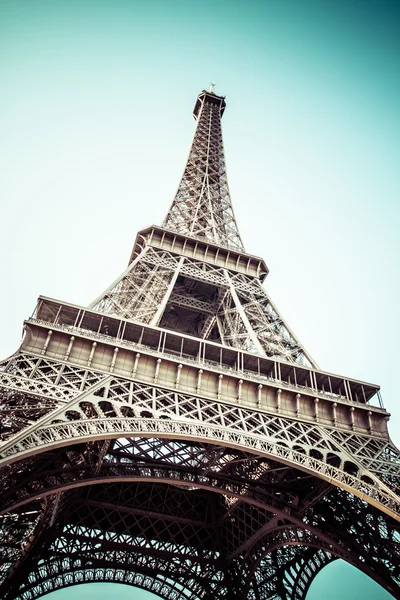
(176, 436)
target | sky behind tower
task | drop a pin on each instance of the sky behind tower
(95, 114)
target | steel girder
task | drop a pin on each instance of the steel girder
(275, 477)
(225, 512)
(203, 300)
(104, 407)
(174, 475)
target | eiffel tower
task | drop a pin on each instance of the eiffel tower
(176, 436)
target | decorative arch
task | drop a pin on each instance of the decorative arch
(241, 479)
(58, 434)
(59, 578)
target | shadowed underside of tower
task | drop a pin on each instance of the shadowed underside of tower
(176, 436)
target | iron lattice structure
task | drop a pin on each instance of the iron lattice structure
(176, 436)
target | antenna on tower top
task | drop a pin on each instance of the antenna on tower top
(212, 86)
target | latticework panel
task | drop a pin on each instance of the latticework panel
(261, 490)
(206, 301)
(244, 526)
(31, 387)
(139, 291)
(202, 206)
(117, 407)
(287, 573)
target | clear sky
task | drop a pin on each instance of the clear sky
(95, 114)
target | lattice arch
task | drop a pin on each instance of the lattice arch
(58, 576)
(288, 553)
(100, 413)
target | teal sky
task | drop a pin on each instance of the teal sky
(95, 114)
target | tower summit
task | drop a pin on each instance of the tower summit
(202, 207)
(176, 436)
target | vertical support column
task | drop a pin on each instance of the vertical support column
(90, 359)
(349, 390)
(199, 375)
(352, 409)
(315, 380)
(220, 378)
(312, 385)
(369, 421)
(158, 363)
(78, 314)
(178, 375)
(239, 392)
(363, 393)
(114, 358)
(298, 396)
(346, 392)
(200, 354)
(160, 339)
(316, 402)
(119, 329)
(57, 315)
(81, 319)
(36, 311)
(47, 342)
(71, 343)
(100, 324)
(334, 413)
(135, 366)
(123, 330)
(140, 340)
(278, 400)
(278, 364)
(259, 393)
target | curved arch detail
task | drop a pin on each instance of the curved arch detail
(59, 578)
(60, 434)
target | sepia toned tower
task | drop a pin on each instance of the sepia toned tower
(176, 436)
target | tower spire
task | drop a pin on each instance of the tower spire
(202, 206)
